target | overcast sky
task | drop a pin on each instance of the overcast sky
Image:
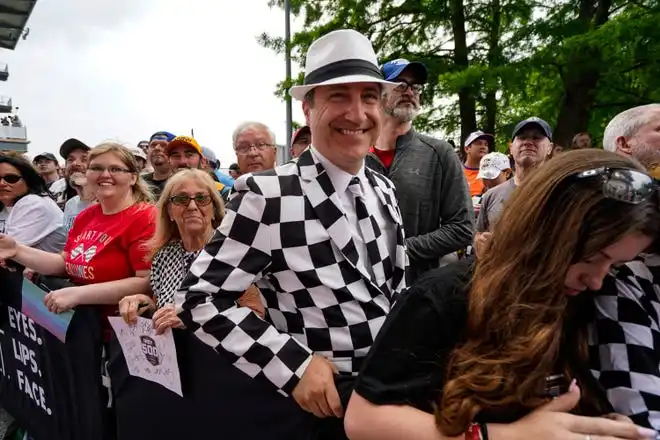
(124, 69)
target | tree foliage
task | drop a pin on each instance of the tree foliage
(575, 63)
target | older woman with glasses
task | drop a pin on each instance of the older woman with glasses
(189, 209)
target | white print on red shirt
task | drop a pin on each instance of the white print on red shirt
(95, 241)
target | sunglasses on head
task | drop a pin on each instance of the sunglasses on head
(11, 178)
(623, 184)
(184, 199)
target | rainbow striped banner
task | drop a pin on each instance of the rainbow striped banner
(34, 307)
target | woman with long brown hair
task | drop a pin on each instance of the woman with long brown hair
(478, 351)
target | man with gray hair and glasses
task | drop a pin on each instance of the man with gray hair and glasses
(624, 350)
(255, 147)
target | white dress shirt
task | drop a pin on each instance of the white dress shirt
(340, 180)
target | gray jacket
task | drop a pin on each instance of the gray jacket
(433, 195)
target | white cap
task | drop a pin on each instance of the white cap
(492, 164)
(476, 135)
(137, 152)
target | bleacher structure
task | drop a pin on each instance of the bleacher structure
(14, 15)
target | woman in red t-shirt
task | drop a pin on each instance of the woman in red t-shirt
(104, 255)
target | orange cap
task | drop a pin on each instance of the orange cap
(184, 141)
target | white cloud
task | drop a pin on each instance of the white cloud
(123, 69)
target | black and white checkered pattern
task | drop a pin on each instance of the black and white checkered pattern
(285, 231)
(625, 340)
(168, 268)
(380, 262)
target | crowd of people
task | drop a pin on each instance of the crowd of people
(393, 287)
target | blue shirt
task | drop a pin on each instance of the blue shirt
(226, 180)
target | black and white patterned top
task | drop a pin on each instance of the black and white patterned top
(625, 340)
(285, 231)
(168, 268)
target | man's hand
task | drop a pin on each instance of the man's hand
(481, 240)
(316, 392)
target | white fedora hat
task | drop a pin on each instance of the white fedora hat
(339, 57)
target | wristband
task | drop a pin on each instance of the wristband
(476, 431)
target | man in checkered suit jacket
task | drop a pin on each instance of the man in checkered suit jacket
(321, 237)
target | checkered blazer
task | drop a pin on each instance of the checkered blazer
(285, 230)
(625, 341)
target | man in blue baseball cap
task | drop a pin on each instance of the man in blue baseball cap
(393, 69)
(430, 185)
(157, 158)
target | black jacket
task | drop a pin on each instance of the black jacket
(433, 196)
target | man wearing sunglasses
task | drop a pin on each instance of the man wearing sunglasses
(430, 185)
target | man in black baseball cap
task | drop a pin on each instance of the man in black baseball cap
(47, 166)
(70, 145)
(75, 154)
(531, 145)
(544, 127)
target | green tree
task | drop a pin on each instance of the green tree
(575, 63)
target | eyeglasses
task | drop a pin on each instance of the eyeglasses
(622, 184)
(112, 170)
(11, 178)
(245, 148)
(404, 85)
(184, 199)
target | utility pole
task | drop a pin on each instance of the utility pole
(287, 60)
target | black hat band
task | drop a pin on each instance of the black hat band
(342, 68)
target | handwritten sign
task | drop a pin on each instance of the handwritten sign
(34, 307)
(149, 356)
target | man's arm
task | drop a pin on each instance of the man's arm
(237, 256)
(625, 354)
(456, 223)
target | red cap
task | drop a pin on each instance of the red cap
(301, 130)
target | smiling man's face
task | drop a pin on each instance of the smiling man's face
(345, 121)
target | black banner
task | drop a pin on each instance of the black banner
(51, 389)
(54, 390)
(219, 401)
